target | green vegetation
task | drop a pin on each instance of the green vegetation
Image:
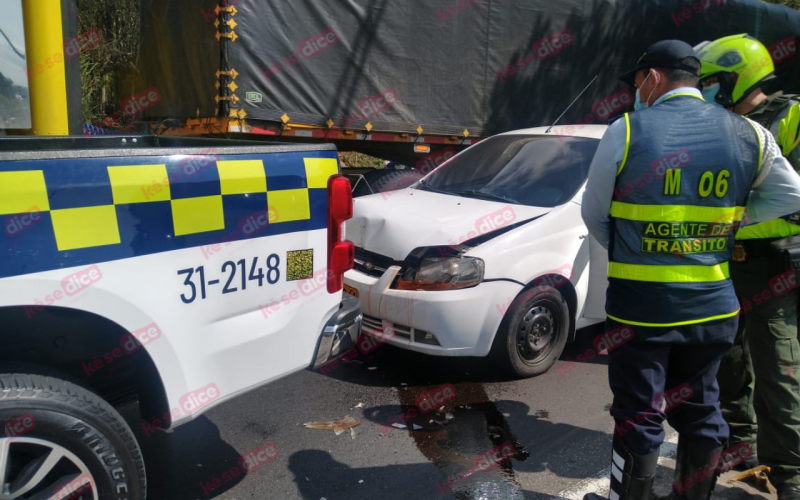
(794, 4)
(105, 67)
(359, 160)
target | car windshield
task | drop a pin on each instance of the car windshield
(534, 170)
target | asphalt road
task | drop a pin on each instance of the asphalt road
(557, 424)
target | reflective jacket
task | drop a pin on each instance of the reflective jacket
(770, 113)
(680, 192)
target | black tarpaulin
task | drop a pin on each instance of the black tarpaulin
(484, 65)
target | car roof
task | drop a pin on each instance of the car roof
(590, 131)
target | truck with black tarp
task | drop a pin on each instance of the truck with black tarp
(396, 79)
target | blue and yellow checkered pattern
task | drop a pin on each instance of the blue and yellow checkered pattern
(91, 208)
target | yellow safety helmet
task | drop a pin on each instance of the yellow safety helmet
(740, 62)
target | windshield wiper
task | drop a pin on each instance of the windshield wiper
(474, 193)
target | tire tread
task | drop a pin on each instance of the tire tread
(21, 386)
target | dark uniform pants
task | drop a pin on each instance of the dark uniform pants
(736, 391)
(676, 365)
(760, 376)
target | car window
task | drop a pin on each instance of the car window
(524, 169)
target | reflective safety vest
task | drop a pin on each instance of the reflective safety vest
(780, 115)
(681, 190)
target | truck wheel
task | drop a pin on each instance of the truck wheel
(532, 335)
(63, 441)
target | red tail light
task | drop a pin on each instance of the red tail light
(341, 253)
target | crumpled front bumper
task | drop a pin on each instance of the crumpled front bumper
(341, 332)
(463, 322)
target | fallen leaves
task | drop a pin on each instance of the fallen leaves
(760, 476)
(337, 426)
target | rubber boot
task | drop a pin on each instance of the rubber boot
(695, 471)
(631, 475)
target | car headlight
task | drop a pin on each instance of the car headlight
(443, 273)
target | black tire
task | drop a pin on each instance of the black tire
(532, 334)
(71, 418)
(382, 181)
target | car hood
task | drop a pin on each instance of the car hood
(396, 222)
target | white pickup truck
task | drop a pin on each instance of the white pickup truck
(176, 272)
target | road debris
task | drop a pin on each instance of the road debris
(760, 477)
(338, 426)
(399, 426)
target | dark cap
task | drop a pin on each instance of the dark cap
(663, 54)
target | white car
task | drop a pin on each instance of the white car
(488, 254)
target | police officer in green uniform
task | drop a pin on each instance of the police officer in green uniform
(756, 377)
(669, 242)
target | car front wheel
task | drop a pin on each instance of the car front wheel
(533, 334)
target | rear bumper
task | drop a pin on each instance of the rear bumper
(341, 332)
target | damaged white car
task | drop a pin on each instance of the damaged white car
(487, 255)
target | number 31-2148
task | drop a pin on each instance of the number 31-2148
(196, 278)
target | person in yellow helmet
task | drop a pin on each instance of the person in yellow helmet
(759, 391)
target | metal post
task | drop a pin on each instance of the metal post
(47, 67)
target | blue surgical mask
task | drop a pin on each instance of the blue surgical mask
(710, 92)
(638, 105)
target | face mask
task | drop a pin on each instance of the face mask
(638, 105)
(710, 92)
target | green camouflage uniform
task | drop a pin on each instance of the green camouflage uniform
(759, 389)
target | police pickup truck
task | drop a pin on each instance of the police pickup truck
(176, 272)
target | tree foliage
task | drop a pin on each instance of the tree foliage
(793, 4)
(103, 68)
(359, 160)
